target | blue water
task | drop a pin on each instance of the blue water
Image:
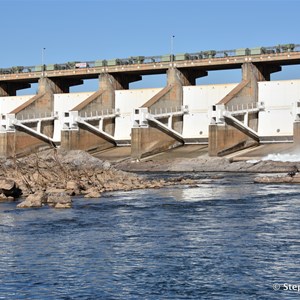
(225, 239)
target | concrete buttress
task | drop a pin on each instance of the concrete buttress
(31, 125)
(236, 115)
(93, 120)
(163, 129)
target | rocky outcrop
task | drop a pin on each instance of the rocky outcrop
(54, 198)
(286, 178)
(54, 176)
(37, 199)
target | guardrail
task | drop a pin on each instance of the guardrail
(98, 114)
(165, 110)
(35, 116)
(207, 54)
(243, 107)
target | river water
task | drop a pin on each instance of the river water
(224, 239)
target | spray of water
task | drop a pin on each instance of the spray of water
(291, 154)
(283, 157)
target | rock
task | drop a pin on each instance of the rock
(73, 188)
(60, 174)
(60, 197)
(33, 200)
(6, 184)
(296, 177)
(61, 205)
(3, 198)
(188, 181)
(106, 165)
(72, 185)
(92, 193)
(35, 176)
(277, 179)
(53, 190)
(8, 187)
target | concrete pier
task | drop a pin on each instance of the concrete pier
(159, 122)
(226, 133)
(35, 127)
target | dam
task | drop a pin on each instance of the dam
(226, 117)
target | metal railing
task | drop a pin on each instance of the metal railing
(99, 114)
(207, 54)
(166, 110)
(243, 107)
(35, 116)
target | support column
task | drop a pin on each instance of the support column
(296, 133)
(108, 84)
(61, 85)
(19, 141)
(188, 77)
(119, 81)
(10, 89)
(44, 100)
(266, 71)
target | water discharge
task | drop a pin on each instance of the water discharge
(283, 157)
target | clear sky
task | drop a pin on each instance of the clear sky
(86, 30)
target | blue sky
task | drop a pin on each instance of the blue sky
(85, 30)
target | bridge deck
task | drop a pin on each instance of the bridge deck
(220, 63)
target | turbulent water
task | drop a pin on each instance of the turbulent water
(283, 157)
(225, 239)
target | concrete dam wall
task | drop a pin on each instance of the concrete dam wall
(83, 121)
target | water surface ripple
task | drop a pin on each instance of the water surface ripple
(231, 240)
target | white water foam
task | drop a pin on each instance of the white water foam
(277, 157)
(252, 161)
(283, 157)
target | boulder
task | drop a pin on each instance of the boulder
(72, 188)
(59, 199)
(92, 193)
(6, 184)
(4, 198)
(9, 188)
(72, 185)
(54, 190)
(62, 205)
(106, 165)
(33, 200)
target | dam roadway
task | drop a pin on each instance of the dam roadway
(207, 64)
